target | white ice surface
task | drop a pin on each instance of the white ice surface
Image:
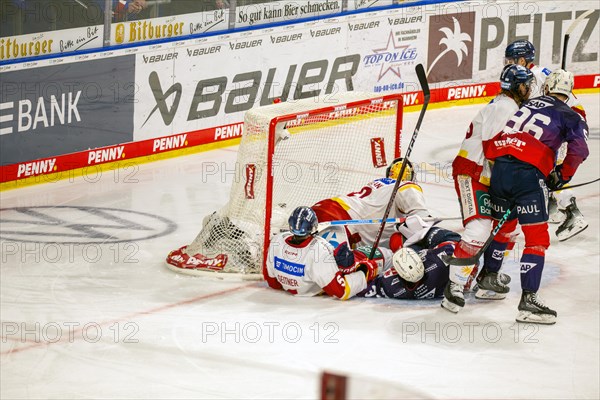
(139, 330)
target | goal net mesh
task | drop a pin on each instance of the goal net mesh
(319, 148)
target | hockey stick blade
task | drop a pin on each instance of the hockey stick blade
(327, 224)
(450, 260)
(420, 71)
(571, 28)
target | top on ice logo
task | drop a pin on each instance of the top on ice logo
(450, 47)
(390, 57)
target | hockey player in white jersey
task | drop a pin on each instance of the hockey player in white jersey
(370, 202)
(562, 204)
(471, 172)
(304, 264)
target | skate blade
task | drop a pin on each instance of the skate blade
(489, 295)
(447, 305)
(531, 318)
(577, 229)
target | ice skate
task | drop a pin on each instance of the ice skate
(454, 298)
(555, 215)
(491, 286)
(533, 310)
(573, 224)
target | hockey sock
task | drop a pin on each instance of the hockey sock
(532, 266)
(494, 255)
(460, 274)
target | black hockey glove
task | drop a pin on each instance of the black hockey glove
(555, 180)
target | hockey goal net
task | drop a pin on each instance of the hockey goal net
(292, 154)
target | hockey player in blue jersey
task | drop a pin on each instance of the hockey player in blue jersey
(418, 272)
(524, 155)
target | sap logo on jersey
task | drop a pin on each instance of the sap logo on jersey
(289, 267)
(525, 267)
(498, 255)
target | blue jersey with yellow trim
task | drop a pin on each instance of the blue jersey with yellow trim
(391, 285)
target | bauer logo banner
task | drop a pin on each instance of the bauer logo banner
(378, 152)
(61, 109)
(461, 45)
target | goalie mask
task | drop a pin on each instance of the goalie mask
(408, 264)
(559, 81)
(394, 170)
(303, 221)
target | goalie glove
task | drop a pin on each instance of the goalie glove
(556, 180)
(369, 267)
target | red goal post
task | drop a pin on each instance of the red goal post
(291, 154)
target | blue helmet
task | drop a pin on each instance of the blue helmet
(303, 221)
(513, 75)
(518, 49)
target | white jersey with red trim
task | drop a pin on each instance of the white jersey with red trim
(487, 123)
(540, 74)
(371, 201)
(309, 268)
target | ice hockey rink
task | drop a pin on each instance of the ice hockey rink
(87, 316)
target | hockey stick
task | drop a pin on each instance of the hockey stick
(327, 224)
(571, 28)
(425, 88)
(450, 260)
(574, 186)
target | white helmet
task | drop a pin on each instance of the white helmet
(559, 81)
(408, 264)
